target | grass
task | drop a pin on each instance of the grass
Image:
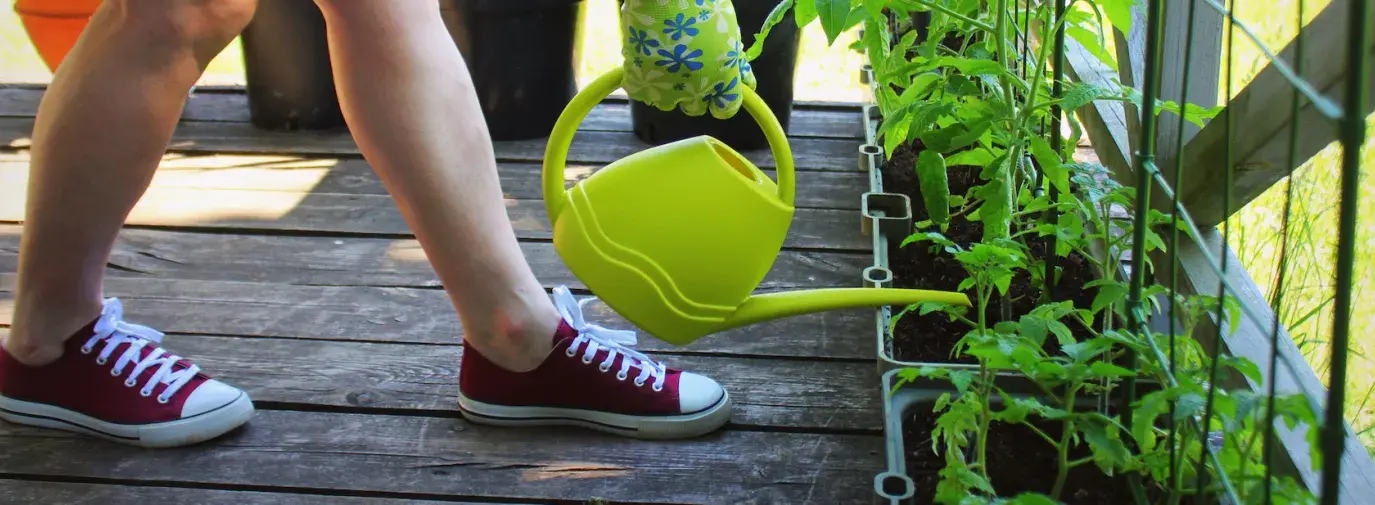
(830, 74)
(1309, 282)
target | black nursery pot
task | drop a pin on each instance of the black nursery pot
(773, 74)
(286, 66)
(523, 56)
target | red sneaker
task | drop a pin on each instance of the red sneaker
(93, 389)
(592, 379)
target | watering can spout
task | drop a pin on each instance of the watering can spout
(770, 306)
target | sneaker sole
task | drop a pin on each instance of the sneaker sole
(643, 427)
(191, 430)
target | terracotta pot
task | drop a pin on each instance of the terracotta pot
(54, 25)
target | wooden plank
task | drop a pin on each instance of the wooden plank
(72, 493)
(1105, 121)
(598, 147)
(355, 453)
(521, 180)
(305, 211)
(358, 261)
(1204, 59)
(426, 316)
(1110, 142)
(1261, 125)
(768, 393)
(808, 120)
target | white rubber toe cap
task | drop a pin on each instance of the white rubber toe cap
(209, 396)
(696, 392)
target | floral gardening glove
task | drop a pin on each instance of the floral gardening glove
(686, 54)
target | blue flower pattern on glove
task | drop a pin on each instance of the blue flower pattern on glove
(685, 54)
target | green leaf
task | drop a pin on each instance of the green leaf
(1108, 294)
(1144, 414)
(1090, 42)
(804, 12)
(973, 67)
(1189, 405)
(1246, 367)
(1105, 369)
(962, 379)
(935, 188)
(1108, 450)
(775, 16)
(834, 16)
(1030, 498)
(974, 157)
(875, 8)
(1079, 95)
(996, 211)
(1119, 13)
(1050, 164)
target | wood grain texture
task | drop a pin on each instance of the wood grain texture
(794, 394)
(442, 455)
(360, 261)
(426, 316)
(597, 147)
(808, 120)
(71, 493)
(1262, 122)
(352, 176)
(305, 211)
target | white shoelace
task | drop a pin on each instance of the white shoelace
(595, 337)
(113, 330)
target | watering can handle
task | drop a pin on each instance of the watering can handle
(561, 139)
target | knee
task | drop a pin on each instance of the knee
(187, 22)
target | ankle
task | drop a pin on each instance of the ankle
(31, 353)
(516, 344)
(38, 335)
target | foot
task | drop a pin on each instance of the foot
(114, 382)
(592, 379)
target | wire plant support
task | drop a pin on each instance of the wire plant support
(1146, 116)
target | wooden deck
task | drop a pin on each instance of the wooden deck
(280, 264)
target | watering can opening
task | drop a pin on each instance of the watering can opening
(734, 159)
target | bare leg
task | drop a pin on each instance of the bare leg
(411, 107)
(101, 129)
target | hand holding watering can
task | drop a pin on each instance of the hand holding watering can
(685, 54)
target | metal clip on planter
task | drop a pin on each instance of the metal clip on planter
(677, 237)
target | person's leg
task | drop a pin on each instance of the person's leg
(102, 127)
(410, 103)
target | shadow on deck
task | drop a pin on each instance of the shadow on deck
(280, 263)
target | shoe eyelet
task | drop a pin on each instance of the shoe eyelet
(587, 360)
(639, 383)
(163, 400)
(621, 376)
(116, 372)
(86, 350)
(606, 368)
(100, 361)
(145, 393)
(658, 387)
(130, 383)
(570, 352)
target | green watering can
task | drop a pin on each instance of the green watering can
(676, 238)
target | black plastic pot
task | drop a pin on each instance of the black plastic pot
(523, 56)
(773, 73)
(286, 66)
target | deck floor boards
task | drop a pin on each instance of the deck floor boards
(279, 263)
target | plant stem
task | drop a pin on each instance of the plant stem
(985, 385)
(1063, 446)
